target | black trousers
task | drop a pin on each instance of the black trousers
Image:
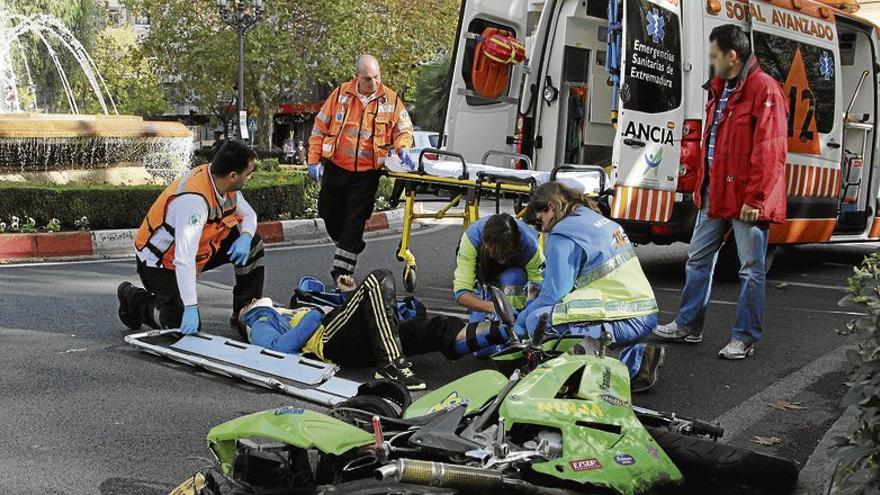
(365, 330)
(345, 203)
(159, 304)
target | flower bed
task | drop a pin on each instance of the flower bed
(42, 208)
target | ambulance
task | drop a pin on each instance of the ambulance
(618, 84)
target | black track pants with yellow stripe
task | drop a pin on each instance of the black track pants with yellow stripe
(363, 331)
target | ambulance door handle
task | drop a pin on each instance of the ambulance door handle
(634, 143)
(833, 144)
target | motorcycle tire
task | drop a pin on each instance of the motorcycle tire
(374, 487)
(706, 461)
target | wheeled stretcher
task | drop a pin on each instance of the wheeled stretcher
(290, 374)
(461, 186)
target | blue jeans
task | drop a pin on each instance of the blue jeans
(751, 246)
(626, 334)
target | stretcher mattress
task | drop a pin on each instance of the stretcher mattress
(584, 182)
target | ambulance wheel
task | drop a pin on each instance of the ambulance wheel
(409, 278)
(727, 267)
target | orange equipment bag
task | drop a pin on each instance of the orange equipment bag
(496, 50)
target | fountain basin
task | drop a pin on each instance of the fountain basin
(109, 149)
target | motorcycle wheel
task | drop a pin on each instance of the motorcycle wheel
(703, 460)
(374, 487)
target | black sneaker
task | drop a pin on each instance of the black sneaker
(128, 319)
(649, 370)
(402, 373)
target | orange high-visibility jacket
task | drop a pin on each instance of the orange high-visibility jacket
(356, 138)
(157, 235)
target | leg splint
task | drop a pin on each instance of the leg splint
(290, 374)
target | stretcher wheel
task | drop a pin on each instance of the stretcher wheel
(409, 278)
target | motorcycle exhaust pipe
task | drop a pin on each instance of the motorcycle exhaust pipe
(441, 475)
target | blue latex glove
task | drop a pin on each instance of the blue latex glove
(190, 322)
(405, 159)
(240, 250)
(316, 170)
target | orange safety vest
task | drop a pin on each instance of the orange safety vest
(356, 138)
(157, 236)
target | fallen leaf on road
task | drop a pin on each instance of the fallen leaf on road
(767, 441)
(74, 350)
(784, 405)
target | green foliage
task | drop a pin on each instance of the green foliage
(273, 195)
(859, 454)
(130, 75)
(268, 165)
(432, 93)
(297, 44)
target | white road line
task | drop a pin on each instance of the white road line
(784, 308)
(808, 285)
(753, 409)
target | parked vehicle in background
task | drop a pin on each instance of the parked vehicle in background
(422, 140)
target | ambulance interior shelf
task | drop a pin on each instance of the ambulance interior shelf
(468, 183)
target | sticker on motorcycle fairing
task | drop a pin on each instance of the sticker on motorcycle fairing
(652, 451)
(570, 408)
(606, 378)
(453, 399)
(585, 465)
(624, 459)
(613, 400)
(289, 410)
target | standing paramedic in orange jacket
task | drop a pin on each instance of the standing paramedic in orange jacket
(360, 124)
(201, 221)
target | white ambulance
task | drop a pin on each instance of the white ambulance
(557, 106)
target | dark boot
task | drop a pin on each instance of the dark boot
(126, 316)
(649, 370)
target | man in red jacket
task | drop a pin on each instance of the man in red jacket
(741, 187)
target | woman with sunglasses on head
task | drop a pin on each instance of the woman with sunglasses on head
(592, 281)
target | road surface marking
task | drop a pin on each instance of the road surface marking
(753, 409)
(784, 308)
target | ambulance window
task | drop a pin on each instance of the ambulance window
(488, 80)
(807, 73)
(652, 82)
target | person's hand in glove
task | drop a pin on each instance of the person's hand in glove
(316, 170)
(190, 322)
(240, 250)
(405, 159)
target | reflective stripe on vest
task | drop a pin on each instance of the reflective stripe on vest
(157, 236)
(612, 286)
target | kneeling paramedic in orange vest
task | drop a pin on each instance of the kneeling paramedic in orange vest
(359, 125)
(201, 221)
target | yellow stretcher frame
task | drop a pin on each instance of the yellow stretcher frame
(464, 188)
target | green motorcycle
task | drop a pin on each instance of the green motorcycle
(561, 423)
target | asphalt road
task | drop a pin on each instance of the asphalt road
(82, 413)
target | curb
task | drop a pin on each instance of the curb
(119, 242)
(817, 474)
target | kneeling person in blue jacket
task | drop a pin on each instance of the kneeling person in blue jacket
(364, 330)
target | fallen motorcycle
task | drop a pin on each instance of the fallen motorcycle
(561, 423)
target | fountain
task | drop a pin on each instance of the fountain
(73, 147)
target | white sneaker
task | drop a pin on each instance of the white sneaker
(737, 349)
(674, 331)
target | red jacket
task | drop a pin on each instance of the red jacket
(750, 147)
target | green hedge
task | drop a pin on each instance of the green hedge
(274, 196)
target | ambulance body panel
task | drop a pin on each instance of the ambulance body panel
(561, 109)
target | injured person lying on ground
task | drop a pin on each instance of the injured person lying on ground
(363, 330)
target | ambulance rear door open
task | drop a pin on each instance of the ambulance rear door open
(475, 123)
(647, 148)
